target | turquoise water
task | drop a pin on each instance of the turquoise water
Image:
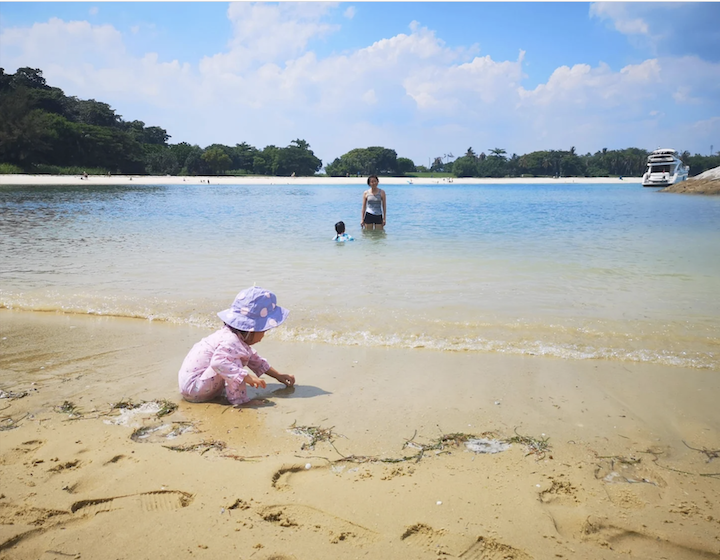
(600, 271)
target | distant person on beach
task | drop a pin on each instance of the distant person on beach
(340, 235)
(216, 365)
(374, 208)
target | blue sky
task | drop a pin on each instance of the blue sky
(423, 78)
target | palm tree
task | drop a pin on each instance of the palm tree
(302, 144)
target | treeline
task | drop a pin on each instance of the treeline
(44, 131)
(630, 162)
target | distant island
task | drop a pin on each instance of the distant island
(46, 132)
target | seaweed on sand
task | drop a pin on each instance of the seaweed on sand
(709, 453)
(165, 406)
(125, 404)
(69, 407)
(12, 395)
(315, 434)
(9, 423)
(442, 444)
(201, 447)
(533, 445)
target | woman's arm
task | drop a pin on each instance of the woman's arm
(362, 218)
(384, 203)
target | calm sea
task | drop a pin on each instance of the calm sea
(616, 272)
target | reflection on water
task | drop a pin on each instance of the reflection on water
(593, 271)
(375, 235)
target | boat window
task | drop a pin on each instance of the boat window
(661, 169)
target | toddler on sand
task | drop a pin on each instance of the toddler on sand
(217, 362)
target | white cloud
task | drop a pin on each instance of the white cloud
(369, 97)
(622, 20)
(265, 32)
(349, 13)
(587, 88)
(94, 11)
(464, 87)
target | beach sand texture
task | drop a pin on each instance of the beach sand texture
(620, 460)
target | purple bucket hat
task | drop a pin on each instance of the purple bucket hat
(254, 310)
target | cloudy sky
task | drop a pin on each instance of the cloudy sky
(424, 78)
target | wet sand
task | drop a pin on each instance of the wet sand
(606, 471)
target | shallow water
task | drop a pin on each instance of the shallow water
(573, 271)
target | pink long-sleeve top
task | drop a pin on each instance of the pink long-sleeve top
(224, 354)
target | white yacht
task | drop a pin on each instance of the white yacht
(664, 168)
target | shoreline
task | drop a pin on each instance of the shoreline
(27, 180)
(624, 473)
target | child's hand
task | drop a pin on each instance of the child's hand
(288, 380)
(254, 381)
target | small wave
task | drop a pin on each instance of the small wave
(553, 341)
(568, 351)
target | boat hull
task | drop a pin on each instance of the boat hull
(650, 181)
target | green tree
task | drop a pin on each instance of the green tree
(30, 78)
(297, 158)
(364, 161)
(244, 156)
(181, 152)
(98, 114)
(405, 165)
(217, 160)
(260, 166)
(465, 166)
(194, 163)
(155, 135)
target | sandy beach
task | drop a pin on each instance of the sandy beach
(609, 460)
(59, 180)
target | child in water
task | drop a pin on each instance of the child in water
(217, 362)
(341, 236)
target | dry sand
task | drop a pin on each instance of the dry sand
(618, 481)
(256, 180)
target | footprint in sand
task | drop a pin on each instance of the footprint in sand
(309, 518)
(19, 453)
(640, 544)
(28, 522)
(489, 549)
(159, 500)
(459, 546)
(559, 491)
(281, 478)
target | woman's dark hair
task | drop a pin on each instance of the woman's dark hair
(340, 227)
(372, 177)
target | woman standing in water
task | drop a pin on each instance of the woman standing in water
(374, 209)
